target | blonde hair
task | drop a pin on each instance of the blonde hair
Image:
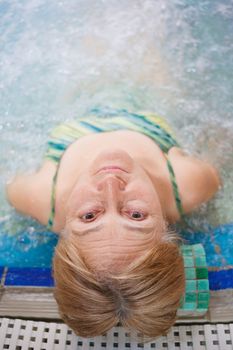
(143, 297)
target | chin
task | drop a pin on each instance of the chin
(115, 157)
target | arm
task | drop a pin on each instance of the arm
(197, 180)
(31, 194)
(20, 193)
(204, 183)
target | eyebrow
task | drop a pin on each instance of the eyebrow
(145, 229)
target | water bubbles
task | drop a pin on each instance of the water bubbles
(226, 10)
(23, 242)
(163, 7)
(31, 230)
(4, 219)
(191, 70)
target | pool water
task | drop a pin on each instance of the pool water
(58, 61)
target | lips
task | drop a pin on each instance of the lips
(111, 168)
(112, 160)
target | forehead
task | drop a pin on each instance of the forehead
(113, 227)
(115, 249)
(117, 237)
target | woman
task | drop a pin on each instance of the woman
(109, 185)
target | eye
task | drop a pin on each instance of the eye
(90, 216)
(137, 215)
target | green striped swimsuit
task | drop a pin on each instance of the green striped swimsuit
(105, 120)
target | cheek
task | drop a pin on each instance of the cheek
(149, 194)
(153, 201)
(77, 197)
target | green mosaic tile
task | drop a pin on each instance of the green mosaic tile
(203, 285)
(191, 286)
(197, 284)
(202, 305)
(190, 273)
(203, 297)
(189, 306)
(188, 261)
(187, 250)
(201, 310)
(198, 249)
(200, 261)
(190, 297)
(201, 272)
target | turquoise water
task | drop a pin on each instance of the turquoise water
(58, 60)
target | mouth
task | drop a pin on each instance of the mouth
(111, 169)
(114, 160)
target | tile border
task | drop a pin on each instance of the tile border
(42, 277)
(27, 277)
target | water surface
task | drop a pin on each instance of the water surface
(59, 60)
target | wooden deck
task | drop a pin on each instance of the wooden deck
(39, 303)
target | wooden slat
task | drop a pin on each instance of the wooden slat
(3, 330)
(231, 332)
(198, 338)
(73, 341)
(171, 338)
(15, 335)
(210, 337)
(27, 334)
(50, 335)
(110, 338)
(223, 337)
(183, 338)
(37, 345)
(61, 337)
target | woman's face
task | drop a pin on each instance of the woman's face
(114, 208)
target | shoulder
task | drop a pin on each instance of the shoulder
(197, 179)
(30, 193)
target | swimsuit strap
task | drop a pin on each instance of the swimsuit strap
(175, 188)
(52, 201)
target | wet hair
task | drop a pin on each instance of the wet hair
(143, 296)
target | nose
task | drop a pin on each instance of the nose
(111, 183)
